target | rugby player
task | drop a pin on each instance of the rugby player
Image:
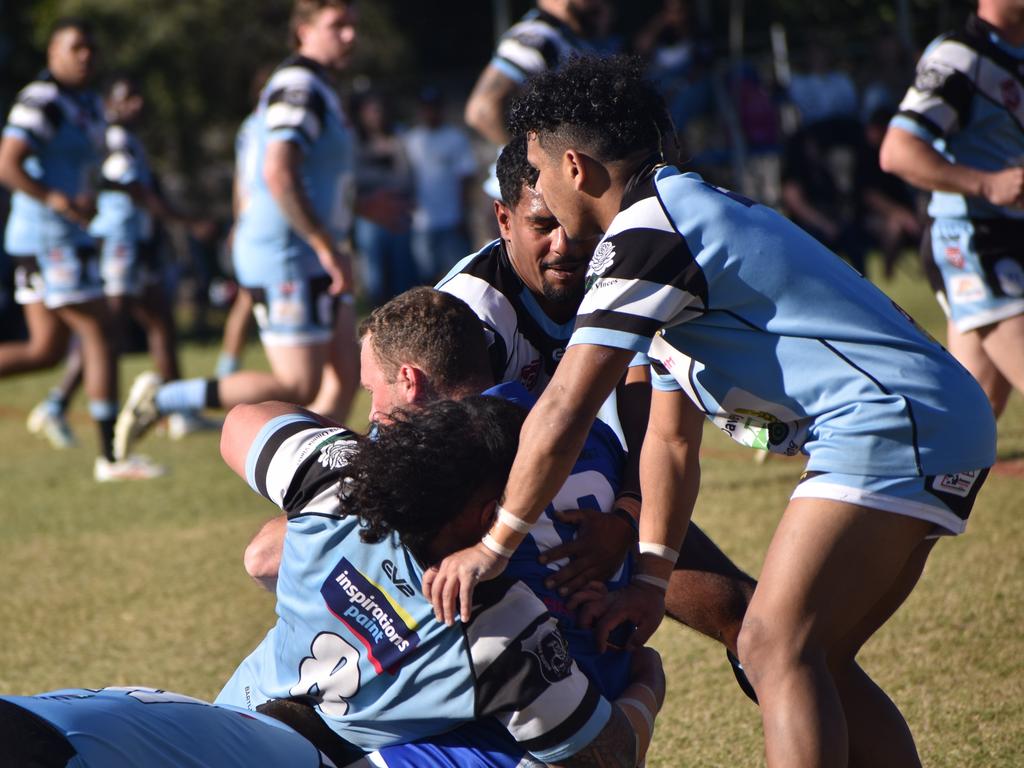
(51, 148)
(526, 288)
(356, 640)
(958, 133)
(753, 324)
(132, 726)
(285, 246)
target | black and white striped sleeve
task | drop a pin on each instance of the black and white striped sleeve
(295, 107)
(525, 676)
(293, 462)
(939, 101)
(36, 115)
(642, 277)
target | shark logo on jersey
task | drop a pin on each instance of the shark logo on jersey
(384, 627)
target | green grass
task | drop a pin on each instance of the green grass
(143, 583)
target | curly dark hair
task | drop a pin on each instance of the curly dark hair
(514, 171)
(423, 467)
(604, 106)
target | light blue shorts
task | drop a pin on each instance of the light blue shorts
(943, 500)
(63, 276)
(127, 267)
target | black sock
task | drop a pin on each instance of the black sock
(213, 393)
(106, 438)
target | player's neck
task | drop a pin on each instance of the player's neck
(1008, 22)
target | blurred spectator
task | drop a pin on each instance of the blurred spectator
(823, 91)
(382, 166)
(888, 206)
(443, 167)
(818, 186)
(887, 75)
(677, 61)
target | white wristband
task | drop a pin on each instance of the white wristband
(517, 524)
(498, 549)
(661, 584)
(640, 707)
(659, 550)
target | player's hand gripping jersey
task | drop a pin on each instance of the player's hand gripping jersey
(776, 339)
(368, 650)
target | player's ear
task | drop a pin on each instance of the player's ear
(413, 384)
(504, 216)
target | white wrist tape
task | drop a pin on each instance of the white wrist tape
(491, 543)
(517, 524)
(642, 708)
(659, 550)
(661, 584)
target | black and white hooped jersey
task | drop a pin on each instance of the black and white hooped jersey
(118, 215)
(355, 633)
(537, 43)
(967, 100)
(782, 344)
(525, 344)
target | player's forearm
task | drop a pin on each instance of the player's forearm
(281, 172)
(485, 108)
(916, 162)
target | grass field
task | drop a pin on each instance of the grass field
(143, 584)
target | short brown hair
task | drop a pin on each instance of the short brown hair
(438, 333)
(304, 11)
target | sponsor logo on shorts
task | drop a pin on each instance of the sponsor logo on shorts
(955, 256)
(958, 483)
(385, 629)
(1010, 275)
(965, 289)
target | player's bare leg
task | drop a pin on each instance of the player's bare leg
(340, 379)
(47, 342)
(236, 329)
(828, 568)
(1004, 345)
(295, 379)
(969, 350)
(707, 592)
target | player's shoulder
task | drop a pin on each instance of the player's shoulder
(118, 137)
(41, 92)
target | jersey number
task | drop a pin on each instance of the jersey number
(330, 674)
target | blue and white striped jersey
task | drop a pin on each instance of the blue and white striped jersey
(65, 131)
(355, 633)
(537, 43)
(137, 726)
(776, 339)
(967, 100)
(118, 216)
(298, 104)
(593, 484)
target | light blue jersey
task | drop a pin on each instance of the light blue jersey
(247, 160)
(65, 131)
(776, 339)
(356, 636)
(118, 216)
(135, 726)
(968, 102)
(299, 105)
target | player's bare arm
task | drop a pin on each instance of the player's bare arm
(262, 557)
(485, 109)
(281, 171)
(918, 163)
(13, 153)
